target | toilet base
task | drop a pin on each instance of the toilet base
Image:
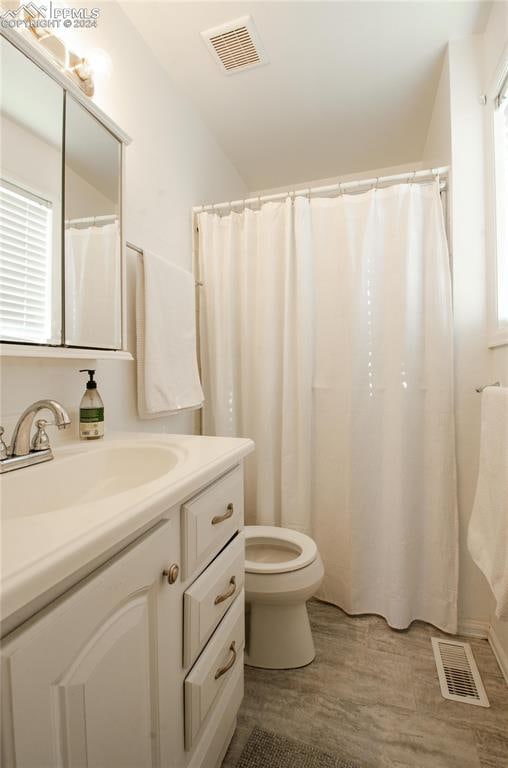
(278, 636)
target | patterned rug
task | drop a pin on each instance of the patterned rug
(265, 749)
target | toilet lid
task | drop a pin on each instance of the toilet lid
(270, 549)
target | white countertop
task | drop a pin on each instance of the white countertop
(42, 549)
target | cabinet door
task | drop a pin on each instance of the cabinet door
(81, 680)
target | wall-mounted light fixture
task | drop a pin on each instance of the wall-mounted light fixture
(71, 63)
(82, 69)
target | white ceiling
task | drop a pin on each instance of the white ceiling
(349, 85)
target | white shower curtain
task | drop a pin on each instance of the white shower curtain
(93, 284)
(327, 338)
(256, 350)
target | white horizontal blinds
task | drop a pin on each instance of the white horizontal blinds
(501, 160)
(25, 265)
(502, 106)
(504, 112)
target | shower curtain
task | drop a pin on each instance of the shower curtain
(93, 281)
(327, 337)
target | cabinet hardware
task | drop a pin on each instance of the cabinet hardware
(229, 592)
(227, 667)
(225, 516)
(172, 573)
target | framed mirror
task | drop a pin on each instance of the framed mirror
(31, 131)
(92, 232)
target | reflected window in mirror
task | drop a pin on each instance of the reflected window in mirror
(31, 128)
(25, 265)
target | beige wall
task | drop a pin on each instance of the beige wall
(173, 163)
(437, 149)
(495, 45)
(467, 207)
(459, 133)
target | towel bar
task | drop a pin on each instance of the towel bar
(494, 384)
(139, 251)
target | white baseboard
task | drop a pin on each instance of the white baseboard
(485, 631)
(474, 628)
(499, 652)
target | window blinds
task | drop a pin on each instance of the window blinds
(501, 175)
(25, 266)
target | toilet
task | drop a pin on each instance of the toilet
(283, 570)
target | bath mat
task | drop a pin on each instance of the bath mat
(265, 749)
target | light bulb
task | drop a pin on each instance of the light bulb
(99, 62)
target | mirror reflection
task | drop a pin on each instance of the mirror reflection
(31, 127)
(92, 232)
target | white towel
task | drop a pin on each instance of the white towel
(488, 528)
(168, 377)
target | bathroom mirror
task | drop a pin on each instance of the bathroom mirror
(31, 131)
(62, 268)
(92, 231)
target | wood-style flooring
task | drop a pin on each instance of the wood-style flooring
(372, 695)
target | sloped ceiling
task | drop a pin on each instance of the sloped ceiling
(349, 85)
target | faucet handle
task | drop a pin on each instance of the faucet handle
(40, 441)
(4, 451)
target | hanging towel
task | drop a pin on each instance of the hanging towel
(488, 528)
(167, 369)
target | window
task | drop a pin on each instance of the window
(500, 293)
(25, 265)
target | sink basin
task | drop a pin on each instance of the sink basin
(85, 476)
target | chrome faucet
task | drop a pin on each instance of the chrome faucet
(23, 451)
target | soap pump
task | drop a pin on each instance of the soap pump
(91, 410)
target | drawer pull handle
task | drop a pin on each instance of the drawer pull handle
(227, 667)
(229, 592)
(171, 573)
(227, 514)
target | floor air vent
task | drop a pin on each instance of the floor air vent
(458, 674)
(235, 45)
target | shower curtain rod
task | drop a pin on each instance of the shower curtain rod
(93, 219)
(353, 186)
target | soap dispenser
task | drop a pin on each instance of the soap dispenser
(91, 410)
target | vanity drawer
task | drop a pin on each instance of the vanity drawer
(210, 519)
(219, 661)
(208, 599)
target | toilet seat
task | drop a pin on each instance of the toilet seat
(277, 550)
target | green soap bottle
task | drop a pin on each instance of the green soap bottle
(91, 410)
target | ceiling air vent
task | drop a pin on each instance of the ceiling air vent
(235, 45)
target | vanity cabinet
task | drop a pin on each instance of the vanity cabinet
(134, 667)
(84, 680)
